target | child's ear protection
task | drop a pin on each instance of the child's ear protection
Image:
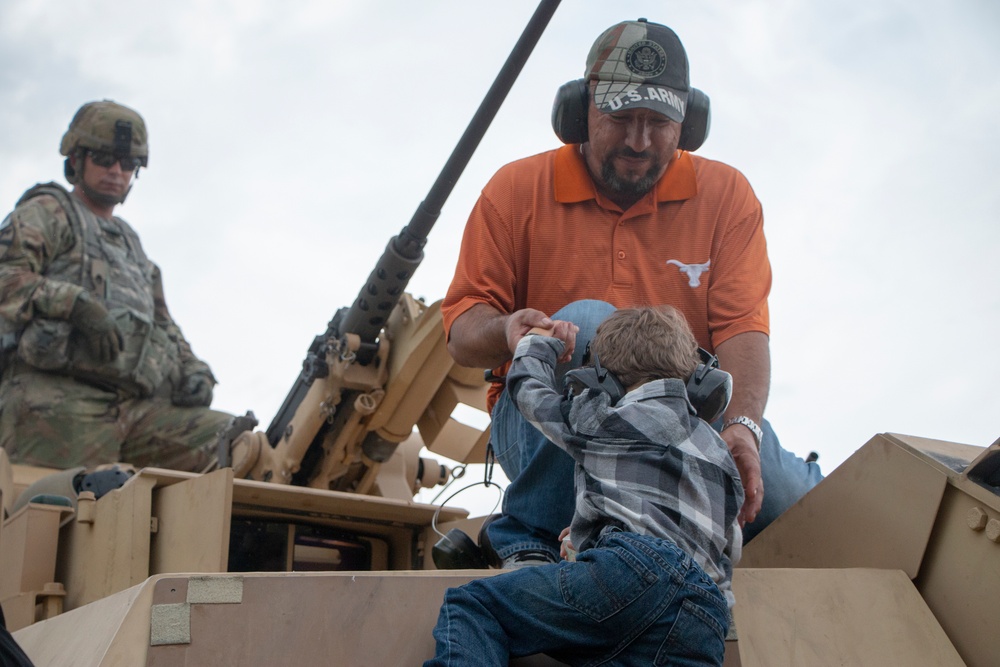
(569, 116)
(709, 388)
(593, 377)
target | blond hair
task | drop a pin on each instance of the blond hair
(643, 344)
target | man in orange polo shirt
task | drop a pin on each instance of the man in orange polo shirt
(621, 216)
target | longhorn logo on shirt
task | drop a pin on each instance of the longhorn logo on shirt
(693, 271)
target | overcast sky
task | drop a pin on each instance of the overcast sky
(290, 140)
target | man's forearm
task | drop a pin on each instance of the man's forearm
(747, 358)
(478, 338)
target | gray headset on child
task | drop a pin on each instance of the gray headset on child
(709, 388)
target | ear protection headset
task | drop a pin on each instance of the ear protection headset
(569, 116)
(593, 377)
(709, 388)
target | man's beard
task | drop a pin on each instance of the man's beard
(101, 198)
(636, 188)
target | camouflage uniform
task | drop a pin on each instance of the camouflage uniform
(58, 406)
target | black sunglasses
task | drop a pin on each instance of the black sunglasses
(106, 159)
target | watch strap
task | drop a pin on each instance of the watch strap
(758, 435)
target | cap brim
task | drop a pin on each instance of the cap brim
(613, 96)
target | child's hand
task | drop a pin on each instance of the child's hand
(566, 549)
(541, 331)
(564, 331)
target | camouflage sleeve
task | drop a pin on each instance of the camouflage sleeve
(30, 238)
(190, 364)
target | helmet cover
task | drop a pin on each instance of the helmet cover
(107, 126)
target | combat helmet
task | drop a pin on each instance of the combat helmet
(105, 126)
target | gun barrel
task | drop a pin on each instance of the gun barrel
(404, 253)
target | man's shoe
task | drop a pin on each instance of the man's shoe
(528, 559)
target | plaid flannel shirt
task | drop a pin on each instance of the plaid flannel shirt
(648, 464)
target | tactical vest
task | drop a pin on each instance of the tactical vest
(108, 261)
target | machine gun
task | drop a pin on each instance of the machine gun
(381, 367)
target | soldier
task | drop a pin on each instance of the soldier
(94, 368)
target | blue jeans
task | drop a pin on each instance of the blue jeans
(629, 600)
(539, 500)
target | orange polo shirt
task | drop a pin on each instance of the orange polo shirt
(541, 236)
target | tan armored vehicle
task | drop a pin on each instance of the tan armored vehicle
(306, 546)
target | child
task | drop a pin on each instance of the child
(655, 527)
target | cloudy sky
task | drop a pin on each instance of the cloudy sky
(290, 140)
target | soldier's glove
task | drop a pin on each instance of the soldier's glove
(194, 390)
(98, 328)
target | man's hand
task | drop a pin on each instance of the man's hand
(97, 327)
(521, 322)
(195, 390)
(743, 447)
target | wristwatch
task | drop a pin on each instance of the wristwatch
(758, 435)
